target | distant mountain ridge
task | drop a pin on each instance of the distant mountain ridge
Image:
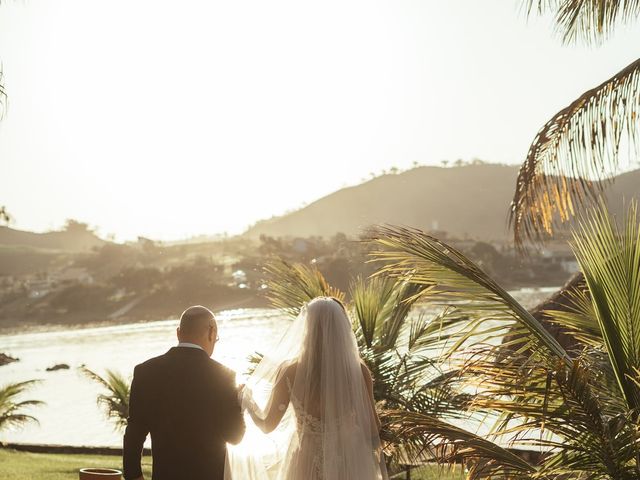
(468, 201)
(65, 241)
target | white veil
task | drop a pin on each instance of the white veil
(328, 429)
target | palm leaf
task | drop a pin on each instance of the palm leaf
(3, 96)
(578, 318)
(371, 305)
(419, 258)
(574, 156)
(116, 401)
(290, 286)
(449, 443)
(588, 434)
(610, 260)
(11, 411)
(588, 20)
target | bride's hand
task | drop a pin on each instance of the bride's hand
(245, 398)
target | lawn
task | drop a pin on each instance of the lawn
(57, 466)
(432, 472)
(53, 466)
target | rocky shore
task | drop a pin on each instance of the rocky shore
(6, 359)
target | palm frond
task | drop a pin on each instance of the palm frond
(116, 401)
(3, 95)
(584, 429)
(406, 294)
(11, 410)
(578, 318)
(290, 286)
(449, 443)
(609, 257)
(575, 155)
(589, 20)
(371, 305)
(416, 257)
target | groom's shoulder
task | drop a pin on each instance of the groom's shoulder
(150, 363)
(221, 369)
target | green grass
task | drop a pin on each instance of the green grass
(433, 472)
(53, 466)
(57, 466)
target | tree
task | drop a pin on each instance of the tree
(4, 215)
(12, 411)
(116, 401)
(138, 280)
(580, 406)
(576, 153)
(74, 226)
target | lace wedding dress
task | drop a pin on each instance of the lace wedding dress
(312, 403)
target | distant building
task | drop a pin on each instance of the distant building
(560, 253)
(239, 277)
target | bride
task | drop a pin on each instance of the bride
(312, 401)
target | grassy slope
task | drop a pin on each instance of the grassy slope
(43, 466)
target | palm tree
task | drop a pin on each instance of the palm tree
(400, 350)
(116, 401)
(4, 215)
(576, 153)
(580, 408)
(12, 411)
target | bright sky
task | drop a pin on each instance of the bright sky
(170, 119)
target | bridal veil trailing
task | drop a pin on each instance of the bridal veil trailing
(309, 406)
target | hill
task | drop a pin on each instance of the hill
(468, 201)
(73, 240)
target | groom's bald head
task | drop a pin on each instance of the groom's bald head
(198, 325)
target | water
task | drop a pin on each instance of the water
(71, 415)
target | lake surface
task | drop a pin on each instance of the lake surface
(71, 415)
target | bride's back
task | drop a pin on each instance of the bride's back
(332, 432)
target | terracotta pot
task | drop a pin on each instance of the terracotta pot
(100, 474)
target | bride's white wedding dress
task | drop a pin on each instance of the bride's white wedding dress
(311, 399)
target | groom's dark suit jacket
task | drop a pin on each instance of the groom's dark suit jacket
(188, 402)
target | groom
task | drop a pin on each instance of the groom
(188, 402)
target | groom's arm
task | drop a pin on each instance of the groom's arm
(233, 426)
(136, 431)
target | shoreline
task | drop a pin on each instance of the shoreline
(66, 449)
(15, 327)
